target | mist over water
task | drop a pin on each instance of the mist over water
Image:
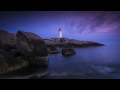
(102, 62)
(89, 63)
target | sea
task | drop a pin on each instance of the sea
(95, 62)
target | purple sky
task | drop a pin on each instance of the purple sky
(99, 26)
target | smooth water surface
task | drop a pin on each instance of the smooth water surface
(101, 62)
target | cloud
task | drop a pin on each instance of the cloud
(95, 21)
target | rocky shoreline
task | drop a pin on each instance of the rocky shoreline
(20, 50)
(70, 43)
(67, 44)
(26, 48)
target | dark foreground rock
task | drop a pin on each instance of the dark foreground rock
(7, 40)
(2, 52)
(8, 63)
(52, 49)
(68, 52)
(33, 48)
(20, 50)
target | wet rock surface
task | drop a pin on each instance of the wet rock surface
(33, 47)
(52, 49)
(8, 63)
(68, 52)
(20, 50)
(7, 40)
(31, 44)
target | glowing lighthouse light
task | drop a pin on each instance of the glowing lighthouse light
(60, 33)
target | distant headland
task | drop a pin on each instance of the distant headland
(70, 43)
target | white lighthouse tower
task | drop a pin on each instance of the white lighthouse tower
(60, 33)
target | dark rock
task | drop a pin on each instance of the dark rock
(18, 54)
(38, 61)
(34, 77)
(68, 52)
(8, 64)
(39, 75)
(3, 52)
(15, 53)
(33, 47)
(70, 43)
(52, 49)
(7, 41)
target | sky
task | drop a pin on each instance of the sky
(98, 26)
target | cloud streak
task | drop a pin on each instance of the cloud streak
(91, 22)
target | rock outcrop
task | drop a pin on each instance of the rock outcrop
(70, 43)
(32, 47)
(20, 50)
(52, 49)
(67, 52)
(9, 63)
(7, 40)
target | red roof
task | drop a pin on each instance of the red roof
(60, 29)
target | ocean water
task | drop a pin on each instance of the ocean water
(101, 62)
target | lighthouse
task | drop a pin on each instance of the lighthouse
(60, 33)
